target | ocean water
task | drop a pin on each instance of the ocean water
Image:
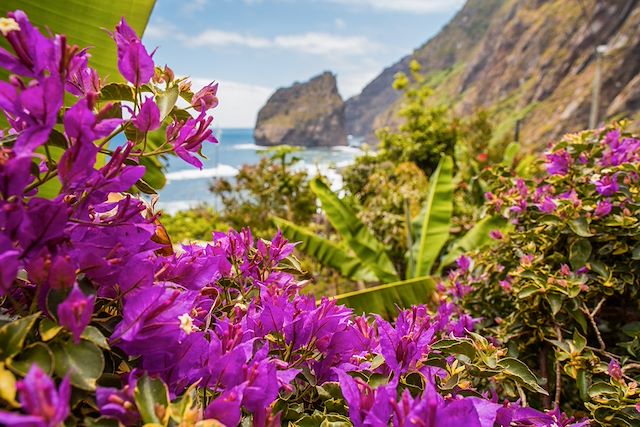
(188, 186)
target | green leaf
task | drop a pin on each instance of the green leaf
(117, 92)
(84, 361)
(84, 23)
(37, 353)
(510, 154)
(325, 251)
(167, 100)
(476, 238)
(579, 253)
(601, 388)
(515, 368)
(48, 329)
(149, 393)
(93, 334)
(455, 347)
(355, 234)
(555, 302)
(383, 299)
(153, 175)
(13, 334)
(434, 221)
(580, 226)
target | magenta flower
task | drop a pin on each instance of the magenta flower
(226, 408)
(607, 185)
(120, 404)
(148, 118)
(44, 405)
(9, 264)
(603, 208)
(548, 205)
(187, 137)
(32, 111)
(134, 62)
(82, 80)
(614, 370)
(464, 263)
(496, 234)
(206, 98)
(75, 312)
(558, 163)
(34, 53)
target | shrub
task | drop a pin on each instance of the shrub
(561, 291)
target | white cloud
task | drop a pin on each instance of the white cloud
(352, 84)
(195, 5)
(212, 37)
(239, 102)
(410, 6)
(323, 44)
(340, 23)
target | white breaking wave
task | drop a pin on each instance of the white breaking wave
(249, 146)
(347, 149)
(220, 171)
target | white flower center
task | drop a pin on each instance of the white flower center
(7, 25)
(186, 323)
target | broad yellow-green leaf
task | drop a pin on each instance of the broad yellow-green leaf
(385, 299)
(84, 23)
(355, 234)
(12, 335)
(325, 251)
(434, 221)
(151, 393)
(84, 361)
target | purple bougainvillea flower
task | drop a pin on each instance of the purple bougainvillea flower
(614, 370)
(558, 163)
(496, 234)
(134, 62)
(82, 80)
(367, 407)
(464, 263)
(44, 405)
(34, 53)
(120, 404)
(15, 173)
(75, 312)
(603, 208)
(206, 98)
(548, 205)
(32, 111)
(148, 118)
(9, 264)
(607, 185)
(187, 137)
(226, 408)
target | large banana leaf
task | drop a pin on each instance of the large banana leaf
(84, 22)
(325, 251)
(355, 234)
(475, 238)
(385, 299)
(432, 225)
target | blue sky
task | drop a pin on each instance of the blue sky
(252, 47)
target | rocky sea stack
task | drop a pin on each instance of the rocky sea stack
(309, 114)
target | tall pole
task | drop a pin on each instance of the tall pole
(597, 85)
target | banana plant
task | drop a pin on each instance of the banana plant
(361, 257)
(355, 234)
(84, 23)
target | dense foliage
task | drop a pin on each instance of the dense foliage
(561, 291)
(103, 324)
(273, 186)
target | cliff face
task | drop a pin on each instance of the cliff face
(308, 114)
(532, 60)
